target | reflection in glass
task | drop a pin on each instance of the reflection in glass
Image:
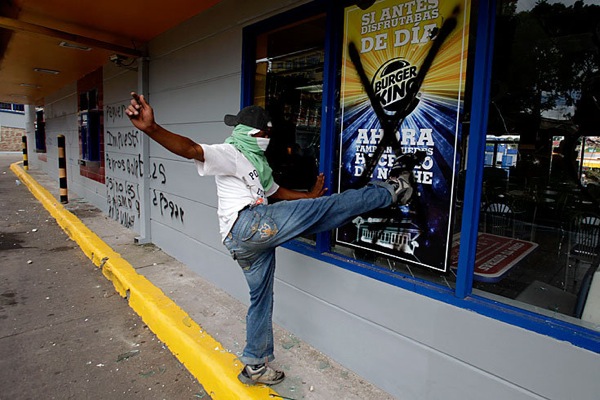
(542, 166)
(289, 85)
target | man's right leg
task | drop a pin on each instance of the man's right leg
(289, 219)
(294, 218)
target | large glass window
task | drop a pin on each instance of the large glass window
(288, 83)
(539, 233)
(538, 238)
(288, 78)
(91, 126)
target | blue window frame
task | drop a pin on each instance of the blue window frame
(12, 107)
(481, 55)
(89, 125)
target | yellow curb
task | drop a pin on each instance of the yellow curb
(214, 367)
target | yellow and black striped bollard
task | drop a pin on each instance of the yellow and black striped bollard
(62, 170)
(25, 160)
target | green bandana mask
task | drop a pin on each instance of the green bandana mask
(248, 146)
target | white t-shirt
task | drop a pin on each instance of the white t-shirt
(238, 184)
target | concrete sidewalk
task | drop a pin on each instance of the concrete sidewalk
(202, 326)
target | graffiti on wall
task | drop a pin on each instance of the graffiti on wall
(167, 206)
(132, 165)
(125, 170)
(122, 140)
(123, 199)
(116, 113)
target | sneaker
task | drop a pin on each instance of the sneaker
(401, 176)
(406, 163)
(403, 190)
(253, 374)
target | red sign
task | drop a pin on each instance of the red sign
(496, 255)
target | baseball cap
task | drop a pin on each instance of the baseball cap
(252, 116)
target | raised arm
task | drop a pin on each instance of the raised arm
(142, 117)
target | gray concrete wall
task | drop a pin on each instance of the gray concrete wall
(61, 119)
(12, 120)
(410, 345)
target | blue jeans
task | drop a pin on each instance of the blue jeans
(259, 230)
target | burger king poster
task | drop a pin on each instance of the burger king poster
(394, 39)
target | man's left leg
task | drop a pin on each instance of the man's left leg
(259, 271)
(259, 331)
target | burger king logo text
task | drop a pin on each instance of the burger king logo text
(394, 83)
